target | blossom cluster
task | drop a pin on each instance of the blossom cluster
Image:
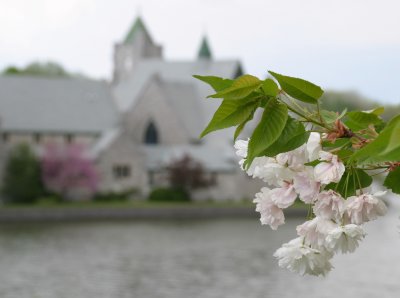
(336, 224)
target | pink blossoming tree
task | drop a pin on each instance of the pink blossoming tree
(68, 171)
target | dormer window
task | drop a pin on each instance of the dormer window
(151, 135)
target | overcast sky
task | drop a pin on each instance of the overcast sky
(338, 44)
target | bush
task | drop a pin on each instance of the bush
(169, 194)
(50, 199)
(112, 196)
(22, 177)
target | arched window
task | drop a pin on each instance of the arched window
(151, 134)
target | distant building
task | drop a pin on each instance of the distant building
(150, 114)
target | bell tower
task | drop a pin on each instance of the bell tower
(137, 45)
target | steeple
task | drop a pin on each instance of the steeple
(204, 50)
(138, 26)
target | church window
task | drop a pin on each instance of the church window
(151, 135)
(121, 171)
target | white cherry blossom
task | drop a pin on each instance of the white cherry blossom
(313, 146)
(283, 196)
(241, 146)
(329, 205)
(258, 162)
(315, 231)
(345, 238)
(306, 186)
(270, 214)
(336, 227)
(331, 169)
(365, 207)
(270, 171)
(303, 259)
(294, 159)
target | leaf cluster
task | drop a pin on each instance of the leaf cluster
(361, 139)
(276, 131)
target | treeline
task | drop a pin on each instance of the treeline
(43, 69)
(338, 101)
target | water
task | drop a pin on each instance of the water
(187, 259)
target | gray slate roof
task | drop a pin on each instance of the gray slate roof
(127, 92)
(185, 101)
(55, 105)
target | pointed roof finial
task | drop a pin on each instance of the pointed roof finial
(204, 51)
(137, 26)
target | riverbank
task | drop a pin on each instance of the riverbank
(133, 211)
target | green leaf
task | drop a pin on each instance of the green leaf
(361, 120)
(355, 179)
(377, 111)
(270, 88)
(386, 147)
(313, 163)
(239, 129)
(268, 130)
(293, 136)
(392, 180)
(299, 88)
(329, 116)
(344, 154)
(342, 114)
(343, 142)
(231, 113)
(216, 83)
(240, 88)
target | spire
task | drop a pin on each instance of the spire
(137, 26)
(204, 51)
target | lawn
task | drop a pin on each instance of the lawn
(143, 204)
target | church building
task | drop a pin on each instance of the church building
(150, 114)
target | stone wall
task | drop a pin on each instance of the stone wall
(123, 152)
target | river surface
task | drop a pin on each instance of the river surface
(185, 259)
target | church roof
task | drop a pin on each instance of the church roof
(55, 105)
(138, 26)
(204, 50)
(185, 102)
(126, 92)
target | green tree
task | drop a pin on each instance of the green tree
(22, 176)
(44, 69)
(338, 101)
